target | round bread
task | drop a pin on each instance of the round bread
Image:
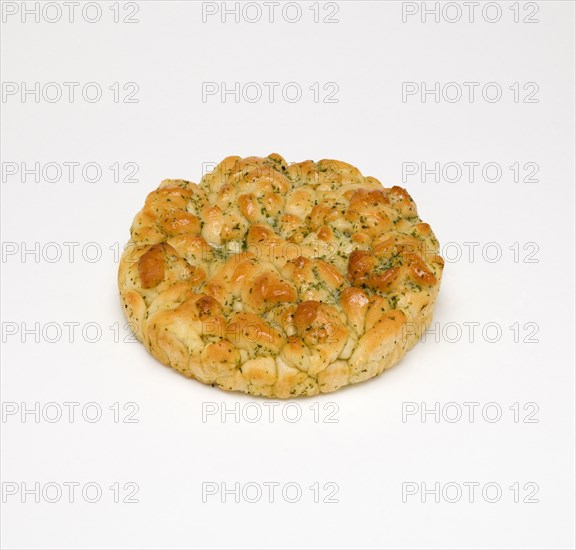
(279, 279)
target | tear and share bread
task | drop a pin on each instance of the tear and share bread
(279, 280)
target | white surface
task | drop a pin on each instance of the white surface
(370, 451)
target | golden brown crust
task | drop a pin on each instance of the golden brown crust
(279, 280)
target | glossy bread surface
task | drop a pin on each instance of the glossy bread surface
(279, 280)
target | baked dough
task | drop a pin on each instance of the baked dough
(279, 279)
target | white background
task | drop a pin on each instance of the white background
(369, 452)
